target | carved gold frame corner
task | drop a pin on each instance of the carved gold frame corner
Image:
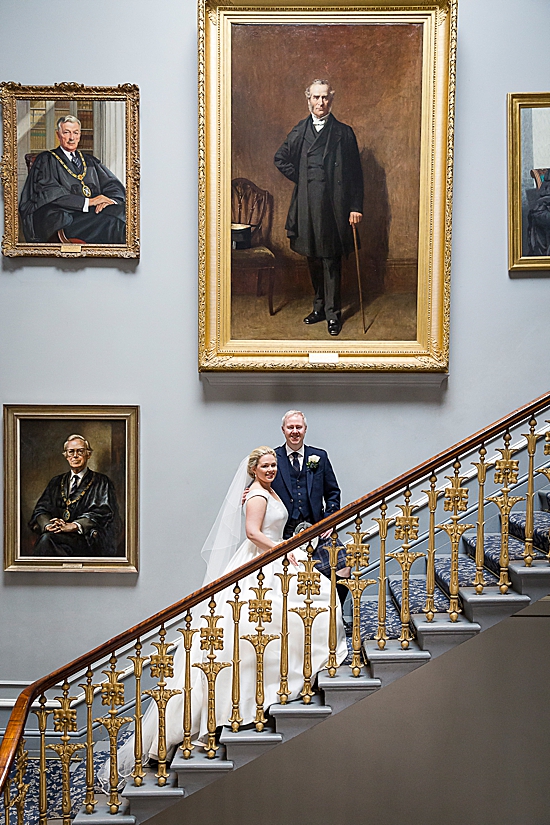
(517, 260)
(12, 246)
(430, 352)
(13, 560)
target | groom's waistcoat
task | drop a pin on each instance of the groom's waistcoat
(300, 505)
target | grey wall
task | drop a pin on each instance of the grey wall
(139, 322)
(456, 741)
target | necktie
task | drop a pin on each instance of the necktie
(74, 486)
(77, 161)
(296, 462)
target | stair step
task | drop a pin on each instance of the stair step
(102, 815)
(393, 662)
(491, 606)
(149, 798)
(417, 594)
(245, 745)
(440, 635)
(295, 717)
(199, 771)
(343, 689)
(466, 573)
(369, 619)
(492, 543)
(531, 581)
(541, 528)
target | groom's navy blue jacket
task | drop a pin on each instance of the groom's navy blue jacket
(323, 491)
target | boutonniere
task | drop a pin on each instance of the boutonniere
(313, 462)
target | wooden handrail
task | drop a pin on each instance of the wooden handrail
(18, 717)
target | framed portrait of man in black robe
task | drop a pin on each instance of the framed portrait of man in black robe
(70, 480)
(325, 227)
(71, 155)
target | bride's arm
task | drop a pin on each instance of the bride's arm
(255, 512)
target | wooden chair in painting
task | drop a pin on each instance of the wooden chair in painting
(253, 207)
(59, 236)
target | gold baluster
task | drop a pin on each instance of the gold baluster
(187, 633)
(481, 467)
(456, 500)
(42, 716)
(506, 473)
(211, 640)
(112, 694)
(259, 611)
(309, 585)
(357, 556)
(236, 607)
(383, 523)
(532, 439)
(90, 801)
(22, 786)
(138, 661)
(332, 662)
(7, 801)
(162, 667)
(64, 720)
(406, 530)
(432, 493)
(544, 470)
(285, 578)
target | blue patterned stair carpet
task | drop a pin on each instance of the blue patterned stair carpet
(369, 623)
(541, 528)
(54, 786)
(417, 595)
(491, 549)
(466, 573)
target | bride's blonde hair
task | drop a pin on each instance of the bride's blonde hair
(255, 456)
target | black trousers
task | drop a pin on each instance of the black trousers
(326, 275)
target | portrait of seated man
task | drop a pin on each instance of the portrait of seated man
(72, 192)
(77, 514)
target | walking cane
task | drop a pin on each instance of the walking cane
(353, 226)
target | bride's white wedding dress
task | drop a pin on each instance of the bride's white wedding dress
(274, 521)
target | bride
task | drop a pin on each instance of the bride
(265, 519)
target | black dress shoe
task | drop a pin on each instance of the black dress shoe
(334, 327)
(314, 317)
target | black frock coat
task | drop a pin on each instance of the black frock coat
(343, 176)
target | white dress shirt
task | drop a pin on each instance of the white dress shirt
(290, 451)
(70, 156)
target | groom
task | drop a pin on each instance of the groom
(306, 483)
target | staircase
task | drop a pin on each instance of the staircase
(440, 584)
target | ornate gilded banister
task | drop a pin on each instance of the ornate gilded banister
(31, 693)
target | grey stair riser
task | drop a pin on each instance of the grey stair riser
(101, 815)
(531, 581)
(440, 636)
(489, 608)
(344, 690)
(199, 771)
(148, 799)
(295, 718)
(393, 662)
(244, 746)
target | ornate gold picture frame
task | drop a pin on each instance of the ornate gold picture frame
(389, 71)
(529, 181)
(54, 522)
(70, 170)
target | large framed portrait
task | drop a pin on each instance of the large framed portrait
(325, 185)
(529, 181)
(71, 488)
(70, 170)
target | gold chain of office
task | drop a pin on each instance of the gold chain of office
(86, 191)
(69, 501)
